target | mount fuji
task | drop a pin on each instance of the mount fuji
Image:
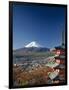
(29, 48)
(32, 44)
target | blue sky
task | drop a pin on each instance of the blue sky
(42, 24)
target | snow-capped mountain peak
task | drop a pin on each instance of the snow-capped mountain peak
(32, 44)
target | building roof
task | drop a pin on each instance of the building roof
(61, 66)
(62, 47)
(60, 57)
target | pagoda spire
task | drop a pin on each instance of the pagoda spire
(63, 38)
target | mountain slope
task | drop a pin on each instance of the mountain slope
(29, 48)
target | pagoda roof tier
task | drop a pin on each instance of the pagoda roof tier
(60, 47)
(61, 66)
(60, 57)
(58, 78)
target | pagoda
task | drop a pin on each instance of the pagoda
(60, 52)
